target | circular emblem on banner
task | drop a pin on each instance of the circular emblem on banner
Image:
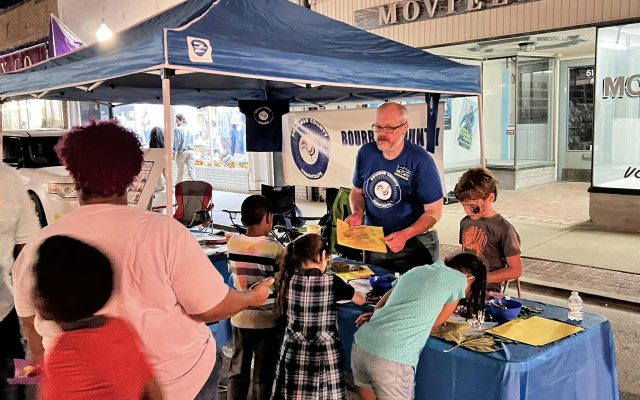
(263, 115)
(383, 189)
(310, 146)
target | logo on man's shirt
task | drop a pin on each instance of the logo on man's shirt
(310, 147)
(199, 50)
(383, 189)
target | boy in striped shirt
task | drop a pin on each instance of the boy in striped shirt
(253, 257)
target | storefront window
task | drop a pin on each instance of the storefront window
(580, 124)
(499, 92)
(534, 132)
(87, 112)
(616, 155)
(33, 114)
(461, 133)
(219, 132)
(230, 138)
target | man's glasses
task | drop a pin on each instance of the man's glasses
(378, 128)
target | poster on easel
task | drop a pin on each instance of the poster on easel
(140, 192)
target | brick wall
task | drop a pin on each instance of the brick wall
(25, 23)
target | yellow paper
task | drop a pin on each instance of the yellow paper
(370, 238)
(535, 331)
(364, 272)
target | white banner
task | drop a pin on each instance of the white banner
(319, 148)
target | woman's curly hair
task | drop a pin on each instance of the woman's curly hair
(103, 158)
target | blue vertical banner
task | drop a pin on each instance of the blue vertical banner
(432, 100)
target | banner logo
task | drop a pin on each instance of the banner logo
(310, 147)
(199, 50)
(263, 115)
(383, 189)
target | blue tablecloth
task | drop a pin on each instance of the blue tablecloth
(222, 329)
(580, 367)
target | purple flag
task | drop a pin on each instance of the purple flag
(61, 39)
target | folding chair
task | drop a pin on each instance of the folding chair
(506, 286)
(194, 204)
(283, 200)
(232, 217)
(287, 217)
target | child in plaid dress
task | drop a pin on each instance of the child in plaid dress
(311, 364)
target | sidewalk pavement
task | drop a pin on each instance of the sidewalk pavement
(559, 247)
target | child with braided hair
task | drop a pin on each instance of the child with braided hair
(388, 343)
(311, 361)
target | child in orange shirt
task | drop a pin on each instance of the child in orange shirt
(96, 356)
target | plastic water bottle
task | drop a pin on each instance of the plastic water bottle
(575, 307)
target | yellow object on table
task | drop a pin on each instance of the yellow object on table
(370, 238)
(535, 331)
(362, 272)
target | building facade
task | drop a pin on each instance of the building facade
(540, 88)
(25, 23)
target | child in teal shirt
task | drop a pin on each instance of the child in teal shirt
(387, 348)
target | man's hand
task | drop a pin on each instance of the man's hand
(396, 241)
(364, 317)
(354, 220)
(260, 292)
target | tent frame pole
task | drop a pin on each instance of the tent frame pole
(483, 158)
(1, 151)
(166, 75)
(483, 161)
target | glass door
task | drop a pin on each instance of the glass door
(499, 90)
(534, 111)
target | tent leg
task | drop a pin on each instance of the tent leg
(483, 161)
(1, 151)
(168, 141)
(110, 111)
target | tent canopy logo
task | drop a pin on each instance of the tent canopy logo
(199, 50)
(310, 147)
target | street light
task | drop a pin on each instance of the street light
(103, 33)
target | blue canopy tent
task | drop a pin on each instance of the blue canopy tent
(204, 52)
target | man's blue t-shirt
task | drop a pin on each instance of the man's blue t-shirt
(396, 191)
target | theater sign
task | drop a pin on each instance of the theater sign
(23, 58)
(402, 12)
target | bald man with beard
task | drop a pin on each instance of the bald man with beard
(396, 185)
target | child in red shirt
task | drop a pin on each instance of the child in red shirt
(96, 356)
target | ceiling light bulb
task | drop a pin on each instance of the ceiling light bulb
(103, 33)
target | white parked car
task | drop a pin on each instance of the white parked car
(49, 184)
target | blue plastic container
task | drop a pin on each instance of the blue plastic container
(383, 282)
(501, 314)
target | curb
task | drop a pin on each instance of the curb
(593, 292)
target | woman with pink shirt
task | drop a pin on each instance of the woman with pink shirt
(164, 285)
